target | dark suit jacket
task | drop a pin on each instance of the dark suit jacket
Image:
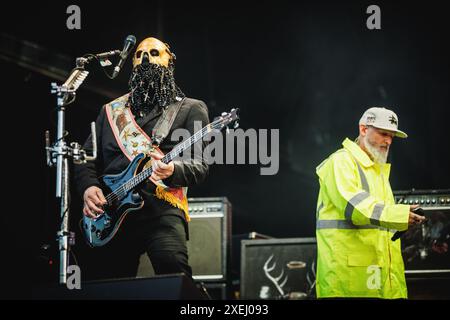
(111, 160)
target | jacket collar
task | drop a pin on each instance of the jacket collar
(357, 152)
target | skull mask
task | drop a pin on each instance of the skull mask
(152, 82)
(153, 51)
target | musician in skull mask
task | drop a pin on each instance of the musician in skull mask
(125, 128)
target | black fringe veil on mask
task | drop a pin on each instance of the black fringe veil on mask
(151, 86)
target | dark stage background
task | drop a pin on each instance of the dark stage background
(308, 68)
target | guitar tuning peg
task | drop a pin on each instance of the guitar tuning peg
(223, 114)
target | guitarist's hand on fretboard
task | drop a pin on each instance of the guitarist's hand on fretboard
(161, 170)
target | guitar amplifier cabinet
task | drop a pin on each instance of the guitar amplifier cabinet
(426, 247)
(209, 245)
(278, 269)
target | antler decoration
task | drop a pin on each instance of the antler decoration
(311, 282)
(275, 280)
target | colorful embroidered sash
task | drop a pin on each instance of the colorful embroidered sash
(132, 140)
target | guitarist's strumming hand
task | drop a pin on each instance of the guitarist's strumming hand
(161, 170)
(93, 202)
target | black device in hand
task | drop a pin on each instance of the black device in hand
(398, 234)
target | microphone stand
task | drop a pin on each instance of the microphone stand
(59, 155)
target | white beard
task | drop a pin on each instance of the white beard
(378, 155)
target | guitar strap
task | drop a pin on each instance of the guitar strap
(165, 122)
(133, 140)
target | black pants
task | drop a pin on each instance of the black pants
(163, 238)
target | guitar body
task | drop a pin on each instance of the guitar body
(101, 230)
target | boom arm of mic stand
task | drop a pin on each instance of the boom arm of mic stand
(103, 58)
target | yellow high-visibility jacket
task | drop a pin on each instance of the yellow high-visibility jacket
(356, 218)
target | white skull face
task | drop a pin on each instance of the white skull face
(155, 51)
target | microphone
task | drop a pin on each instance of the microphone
(398, 234)
(130, 41)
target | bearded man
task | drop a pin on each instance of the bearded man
(357, 216)
(125, 128)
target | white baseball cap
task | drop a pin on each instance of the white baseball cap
(382, 118)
